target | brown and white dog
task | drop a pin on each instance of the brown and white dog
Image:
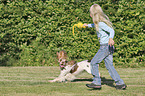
(70, 69)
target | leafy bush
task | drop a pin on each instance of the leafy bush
(33, 31)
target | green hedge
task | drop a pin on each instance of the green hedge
(32, 31)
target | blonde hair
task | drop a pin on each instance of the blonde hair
(98, 15)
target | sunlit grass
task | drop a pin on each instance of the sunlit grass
(33, 81)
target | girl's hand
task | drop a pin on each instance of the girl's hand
(111, 42)
(85, 24)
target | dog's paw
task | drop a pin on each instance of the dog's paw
(52, 81)
(61, 79)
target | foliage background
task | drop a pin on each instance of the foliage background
(32, 31)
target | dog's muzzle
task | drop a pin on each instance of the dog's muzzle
(62, 63)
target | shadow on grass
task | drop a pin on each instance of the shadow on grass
(104, 81)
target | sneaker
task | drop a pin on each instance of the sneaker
(92, 85)
(121, 87)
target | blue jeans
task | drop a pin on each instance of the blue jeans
(104, 53)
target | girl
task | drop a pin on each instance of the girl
(105, 35)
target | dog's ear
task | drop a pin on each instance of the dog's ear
(63, 55)
(71, 62)
(57, 55)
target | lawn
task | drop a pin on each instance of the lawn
(33, 81)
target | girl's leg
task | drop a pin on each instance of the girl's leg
(100, 55)
(113, 73)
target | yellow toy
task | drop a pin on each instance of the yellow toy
(79, 25)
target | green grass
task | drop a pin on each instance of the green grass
(33, 81)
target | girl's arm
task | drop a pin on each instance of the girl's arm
(88, 25)
(108, 29)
